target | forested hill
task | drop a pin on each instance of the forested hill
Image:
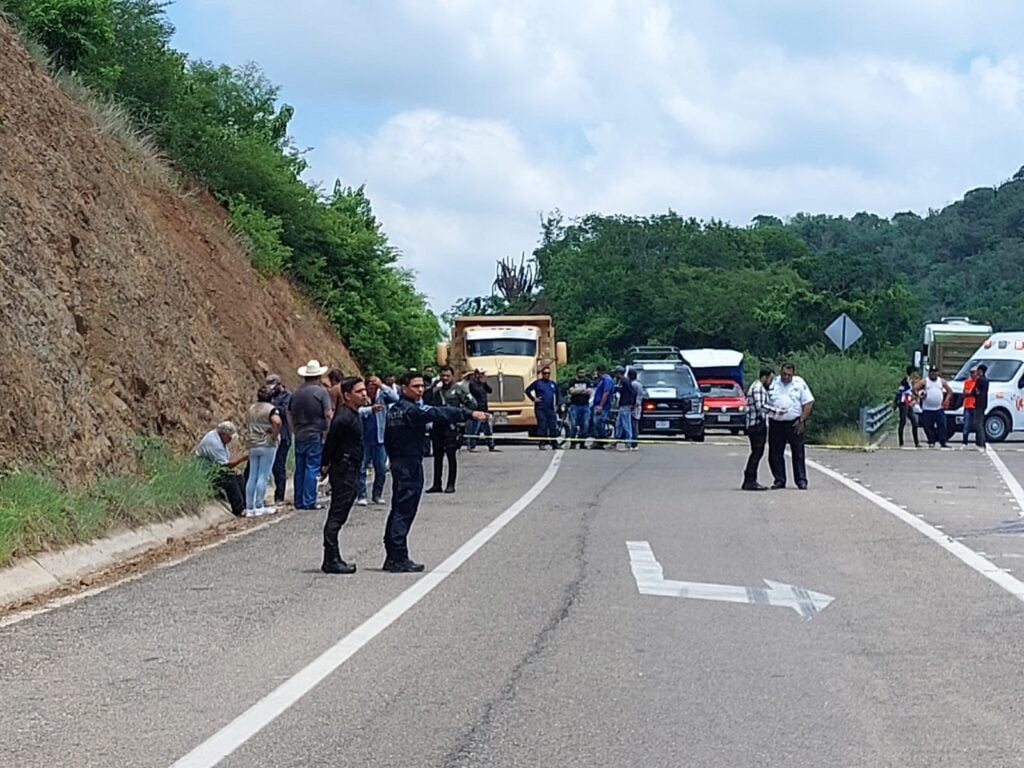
(773, 286)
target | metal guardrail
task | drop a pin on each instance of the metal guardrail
(873, 417)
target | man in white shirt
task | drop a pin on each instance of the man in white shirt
(793, 402)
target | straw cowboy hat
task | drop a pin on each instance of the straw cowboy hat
(312, 368)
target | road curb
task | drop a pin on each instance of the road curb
(31, 577)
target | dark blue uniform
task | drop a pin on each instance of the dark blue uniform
(545, 395)
(403, 439)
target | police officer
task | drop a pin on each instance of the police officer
(342, 458)
(445, 438)
(403, 438)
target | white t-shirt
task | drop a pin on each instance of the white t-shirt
(789, 399)
(933, 395)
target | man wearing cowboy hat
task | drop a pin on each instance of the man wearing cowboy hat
(311, 414)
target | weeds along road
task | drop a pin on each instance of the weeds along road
(534, 639)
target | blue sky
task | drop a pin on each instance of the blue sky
(467, 119)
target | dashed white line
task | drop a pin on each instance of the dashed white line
(1015, 489)
(966, 555)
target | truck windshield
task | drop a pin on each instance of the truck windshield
(675, 378)
(998, 370)
(489, 347)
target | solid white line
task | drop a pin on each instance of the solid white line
(1011, 482)
(270, 707)
(968, 556)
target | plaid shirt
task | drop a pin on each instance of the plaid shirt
(759, 405)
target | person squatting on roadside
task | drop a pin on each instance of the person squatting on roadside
(934, 394)
(444, 437)
(212, 449)
(759, 409)
(374, 416)
(282, 399)
(342, 458)
(580, 389)
(263, 424)
(406, 428)
(480, 391)
(793, 400)
(544, 394)
(604, 388)
(906, 402)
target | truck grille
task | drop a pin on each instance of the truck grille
(508, 390)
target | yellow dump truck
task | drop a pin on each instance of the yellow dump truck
(512, 350)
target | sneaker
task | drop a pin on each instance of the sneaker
(361, 501)
(248, 513)
(378, 500)
(261, 511)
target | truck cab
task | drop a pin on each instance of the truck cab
(948, 344)
(1003, 353)
(672, 403)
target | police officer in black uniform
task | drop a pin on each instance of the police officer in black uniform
(403, 439)
(342, 458)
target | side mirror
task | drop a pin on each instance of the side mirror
(917, 358)
(442, 354)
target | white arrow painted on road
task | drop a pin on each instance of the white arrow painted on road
(651, 581)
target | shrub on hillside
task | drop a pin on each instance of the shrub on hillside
(261, 236)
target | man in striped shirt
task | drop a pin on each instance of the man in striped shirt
(759, 408)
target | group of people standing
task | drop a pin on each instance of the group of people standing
(339, 432)
(777, 413)
(590, 402)
(922, 402)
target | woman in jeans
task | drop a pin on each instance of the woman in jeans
(262, 434)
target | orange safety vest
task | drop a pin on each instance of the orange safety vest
(969, 394)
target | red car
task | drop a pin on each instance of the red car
(725, 405)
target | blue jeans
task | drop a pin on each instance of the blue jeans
(624, 425)
(547, 425)
(261, 463)
(373, 455)
(307, 469)
(474, 428)
(968, 424)
(579, 422)
(597, 426)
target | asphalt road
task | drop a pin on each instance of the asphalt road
(539, 650)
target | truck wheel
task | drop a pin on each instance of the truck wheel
(997, 426)
(698, 438)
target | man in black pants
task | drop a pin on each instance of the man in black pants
(445, 437)
(759, 409)
(793, 400)
(342, 458)
(981, 404)
(403, 438)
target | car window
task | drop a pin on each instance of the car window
(721, 390)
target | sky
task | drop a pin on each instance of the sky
(469, 120)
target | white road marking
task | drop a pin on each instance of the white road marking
(1011, 482)
(270, 707)
(650, 580)
(59, 602)
(966, 555)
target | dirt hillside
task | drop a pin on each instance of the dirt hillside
(126, 308)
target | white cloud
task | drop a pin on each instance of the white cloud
(467, 118)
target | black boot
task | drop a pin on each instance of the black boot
(334, 564)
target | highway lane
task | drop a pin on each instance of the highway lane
(539, 649)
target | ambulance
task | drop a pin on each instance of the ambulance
(1003, 353)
